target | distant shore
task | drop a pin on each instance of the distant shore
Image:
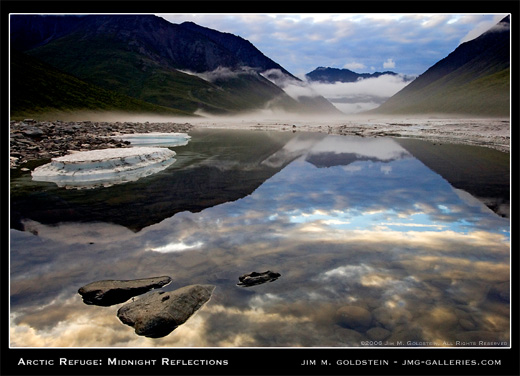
(493, 133)
(37, 140)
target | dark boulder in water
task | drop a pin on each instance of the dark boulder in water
(255, 278)
(110, 292)
(157, 314)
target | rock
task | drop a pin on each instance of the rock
(354, 317)
(157, 314)
(255, 278)
(349, 337)
(110, 292)
(440, 316)
(482, 338)
(56, 137)
(32, 132)
(405, 333)
(390, 318)
(378, 334)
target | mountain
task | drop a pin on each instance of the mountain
(332, 75)
(472, 80)
(244, 50)
(33, 96)
(153, 60)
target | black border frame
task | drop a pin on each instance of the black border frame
(262, 361)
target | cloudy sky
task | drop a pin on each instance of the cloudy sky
(404, 43)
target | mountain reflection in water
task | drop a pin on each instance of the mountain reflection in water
(348, 222)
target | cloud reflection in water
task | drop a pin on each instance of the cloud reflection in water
(348, 222)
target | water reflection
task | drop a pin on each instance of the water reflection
(213, 168)
(348, 222)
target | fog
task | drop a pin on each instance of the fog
(221, 73)
(348, 97)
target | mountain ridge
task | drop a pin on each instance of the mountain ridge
(471, 80)
(150, 59)
(333, 75)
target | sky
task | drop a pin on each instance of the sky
(364, 43)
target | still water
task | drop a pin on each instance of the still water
(374, 245)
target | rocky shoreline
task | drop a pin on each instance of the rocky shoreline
(40, 140)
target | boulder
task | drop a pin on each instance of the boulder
(255, 278)
(348, 337)
(32, 132)
(157, 314)
(378, 334)
(110, 292)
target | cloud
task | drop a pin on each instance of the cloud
(481, 27)
(389, 63)
(348, 97)
(221, 73)
(354, 66)
(362, 95)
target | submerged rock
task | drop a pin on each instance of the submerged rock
(159, 313)
(378, 333)
(255, 278)
(95, 168)
(110, 292)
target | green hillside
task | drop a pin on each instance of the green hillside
(41, 92)
(106, 62)
(473, 80)
(485, 96)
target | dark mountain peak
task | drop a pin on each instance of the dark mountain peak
(29, 31)
(244, 50)
(473, 79)
(331, 75)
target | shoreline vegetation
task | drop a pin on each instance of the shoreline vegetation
(32, 140)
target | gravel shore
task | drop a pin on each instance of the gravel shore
(32, 140)
(492, 133)
(37, 140)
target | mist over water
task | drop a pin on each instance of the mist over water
(347, 222)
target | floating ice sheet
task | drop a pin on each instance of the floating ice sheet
(105, 167)
(156, 139)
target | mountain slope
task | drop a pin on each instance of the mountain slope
(150, 59)
(244, 50)
(37, 88)
(472, 80)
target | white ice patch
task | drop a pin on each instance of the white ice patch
(103, 168)
(156, 139)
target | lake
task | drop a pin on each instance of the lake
(379, 242)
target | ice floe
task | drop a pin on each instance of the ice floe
(105, 167)
(156, 139)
